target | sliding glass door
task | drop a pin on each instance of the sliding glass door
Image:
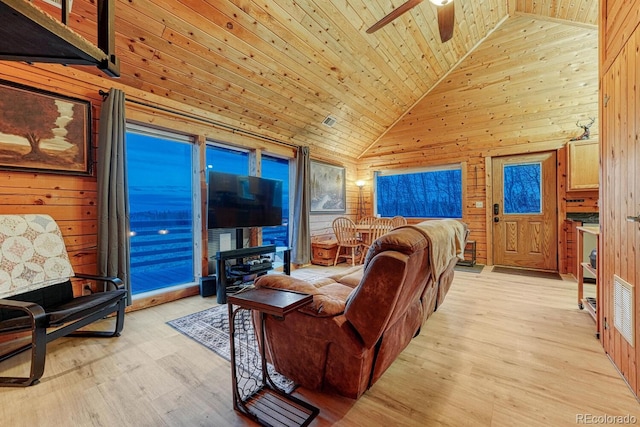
(162, 180)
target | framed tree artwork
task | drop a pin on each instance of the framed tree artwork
(327, 188)
(43, 131)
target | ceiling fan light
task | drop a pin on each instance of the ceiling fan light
(440, 2)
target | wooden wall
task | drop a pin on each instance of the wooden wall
(620, 178)
(72, 199)
(522, 90)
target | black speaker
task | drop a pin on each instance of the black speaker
(208, 286)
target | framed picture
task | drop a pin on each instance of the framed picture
(43, 131)
(327, 188)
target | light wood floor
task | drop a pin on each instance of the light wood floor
(502, 351)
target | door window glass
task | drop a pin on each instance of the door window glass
(522, 188)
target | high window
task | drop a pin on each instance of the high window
(425, 193)
(162, 200)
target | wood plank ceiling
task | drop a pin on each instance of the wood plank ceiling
(279, 67)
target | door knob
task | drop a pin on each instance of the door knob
(496, 219)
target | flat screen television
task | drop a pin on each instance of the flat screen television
(236, 201)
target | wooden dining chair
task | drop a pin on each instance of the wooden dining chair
(398, 220)
(366, 220)
(378, 228)
(349, 244)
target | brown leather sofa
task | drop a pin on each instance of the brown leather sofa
(360, 320)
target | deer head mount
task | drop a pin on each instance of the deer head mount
(586, 134)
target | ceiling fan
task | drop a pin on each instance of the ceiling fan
(446, 16)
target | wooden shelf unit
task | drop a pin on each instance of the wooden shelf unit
(591, 304)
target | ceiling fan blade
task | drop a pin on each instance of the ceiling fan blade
(446, 20)
(394, 14)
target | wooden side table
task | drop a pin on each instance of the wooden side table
(324, 252)
(263, 401)
(469, 254)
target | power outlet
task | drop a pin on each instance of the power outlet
(479, 204)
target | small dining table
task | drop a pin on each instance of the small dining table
(364, 231)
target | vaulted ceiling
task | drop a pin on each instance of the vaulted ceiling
(280, 67)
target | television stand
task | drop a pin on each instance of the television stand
(240, 254)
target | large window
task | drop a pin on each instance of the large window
(232, 160)
(275, 168)
(160, 169)
(228, 160)
(223, 159)
(427, 193)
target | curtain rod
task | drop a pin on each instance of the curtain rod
(205, 120)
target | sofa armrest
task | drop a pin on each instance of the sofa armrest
(30, 308)
(114, 281)
(328, 299)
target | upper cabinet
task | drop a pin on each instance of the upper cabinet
(583, 165)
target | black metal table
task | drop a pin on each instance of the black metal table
(239, 254)
(262, 400)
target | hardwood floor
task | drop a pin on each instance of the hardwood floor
(501, 351)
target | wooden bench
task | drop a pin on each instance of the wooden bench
(36, 292)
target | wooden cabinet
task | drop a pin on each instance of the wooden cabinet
(324, 252)
(583, 165)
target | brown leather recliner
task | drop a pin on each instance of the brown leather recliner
(359, 322)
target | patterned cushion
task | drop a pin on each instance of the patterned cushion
(32, 254)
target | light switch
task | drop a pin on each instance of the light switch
(479, 204)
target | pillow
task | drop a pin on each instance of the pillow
(329, 300)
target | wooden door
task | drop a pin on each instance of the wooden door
(524, 211)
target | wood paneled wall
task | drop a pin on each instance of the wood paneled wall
(521, 91)
(72, 199)
(620, 178)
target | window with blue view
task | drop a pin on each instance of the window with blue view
(522, 188)
(160, 174)
(433, 193)
(223, 159)
(276, 168)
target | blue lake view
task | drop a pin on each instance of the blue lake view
(162, 248)
(161, 206)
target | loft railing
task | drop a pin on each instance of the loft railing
(30, 35)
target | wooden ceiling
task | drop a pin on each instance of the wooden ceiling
(280, 67)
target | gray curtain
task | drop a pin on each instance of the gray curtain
(301, 231)
(113, 200)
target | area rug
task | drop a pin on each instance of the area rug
(525, 272)
(210, 328)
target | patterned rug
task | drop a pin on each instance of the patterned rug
(210, 328)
